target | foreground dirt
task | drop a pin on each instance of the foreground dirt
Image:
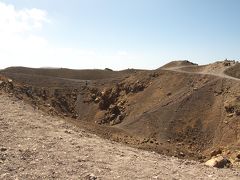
(35, 145)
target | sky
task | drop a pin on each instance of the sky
(117, 34)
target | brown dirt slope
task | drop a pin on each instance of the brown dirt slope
(184, 113)
(68, 73)
(178, 64)
(35, 145)
(234, 71)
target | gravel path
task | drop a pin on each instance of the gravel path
(34, 145)
(220, 72)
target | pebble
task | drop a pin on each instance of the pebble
(3, 149)
(91, 177)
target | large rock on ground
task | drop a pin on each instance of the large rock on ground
(218, 162)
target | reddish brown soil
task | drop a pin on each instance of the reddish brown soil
(175, 110)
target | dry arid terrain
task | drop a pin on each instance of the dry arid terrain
(181, 111)
(35, 145)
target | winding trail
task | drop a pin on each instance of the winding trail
(220, 72)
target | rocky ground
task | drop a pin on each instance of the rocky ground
(181, 109)
(34, 145)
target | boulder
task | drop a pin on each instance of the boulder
(115, 121)
(134, 87)
(218, 162)
(114, 109)
(122, 116)
(106, 92)
(233, 107)
(227, 63)
(93, 96)
(169, 94)
(91, 177)
(97, 100)
(103, 105)
(238, 156)
(112, 116)
(230, 115)
(216, 152)
(228, 107)
(237, 112)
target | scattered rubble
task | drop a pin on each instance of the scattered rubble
(113, 101)
(233, 107)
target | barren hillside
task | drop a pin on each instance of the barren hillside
(35, 145)
(180, 109)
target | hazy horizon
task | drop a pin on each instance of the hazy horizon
(140, 34)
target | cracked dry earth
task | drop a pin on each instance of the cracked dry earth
(37, 146)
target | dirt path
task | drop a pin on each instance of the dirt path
(220, 74)
(34, 145)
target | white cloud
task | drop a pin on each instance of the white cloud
(17, 40)
(20, 21)
(20, 46)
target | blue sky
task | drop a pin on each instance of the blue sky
(123, 33)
